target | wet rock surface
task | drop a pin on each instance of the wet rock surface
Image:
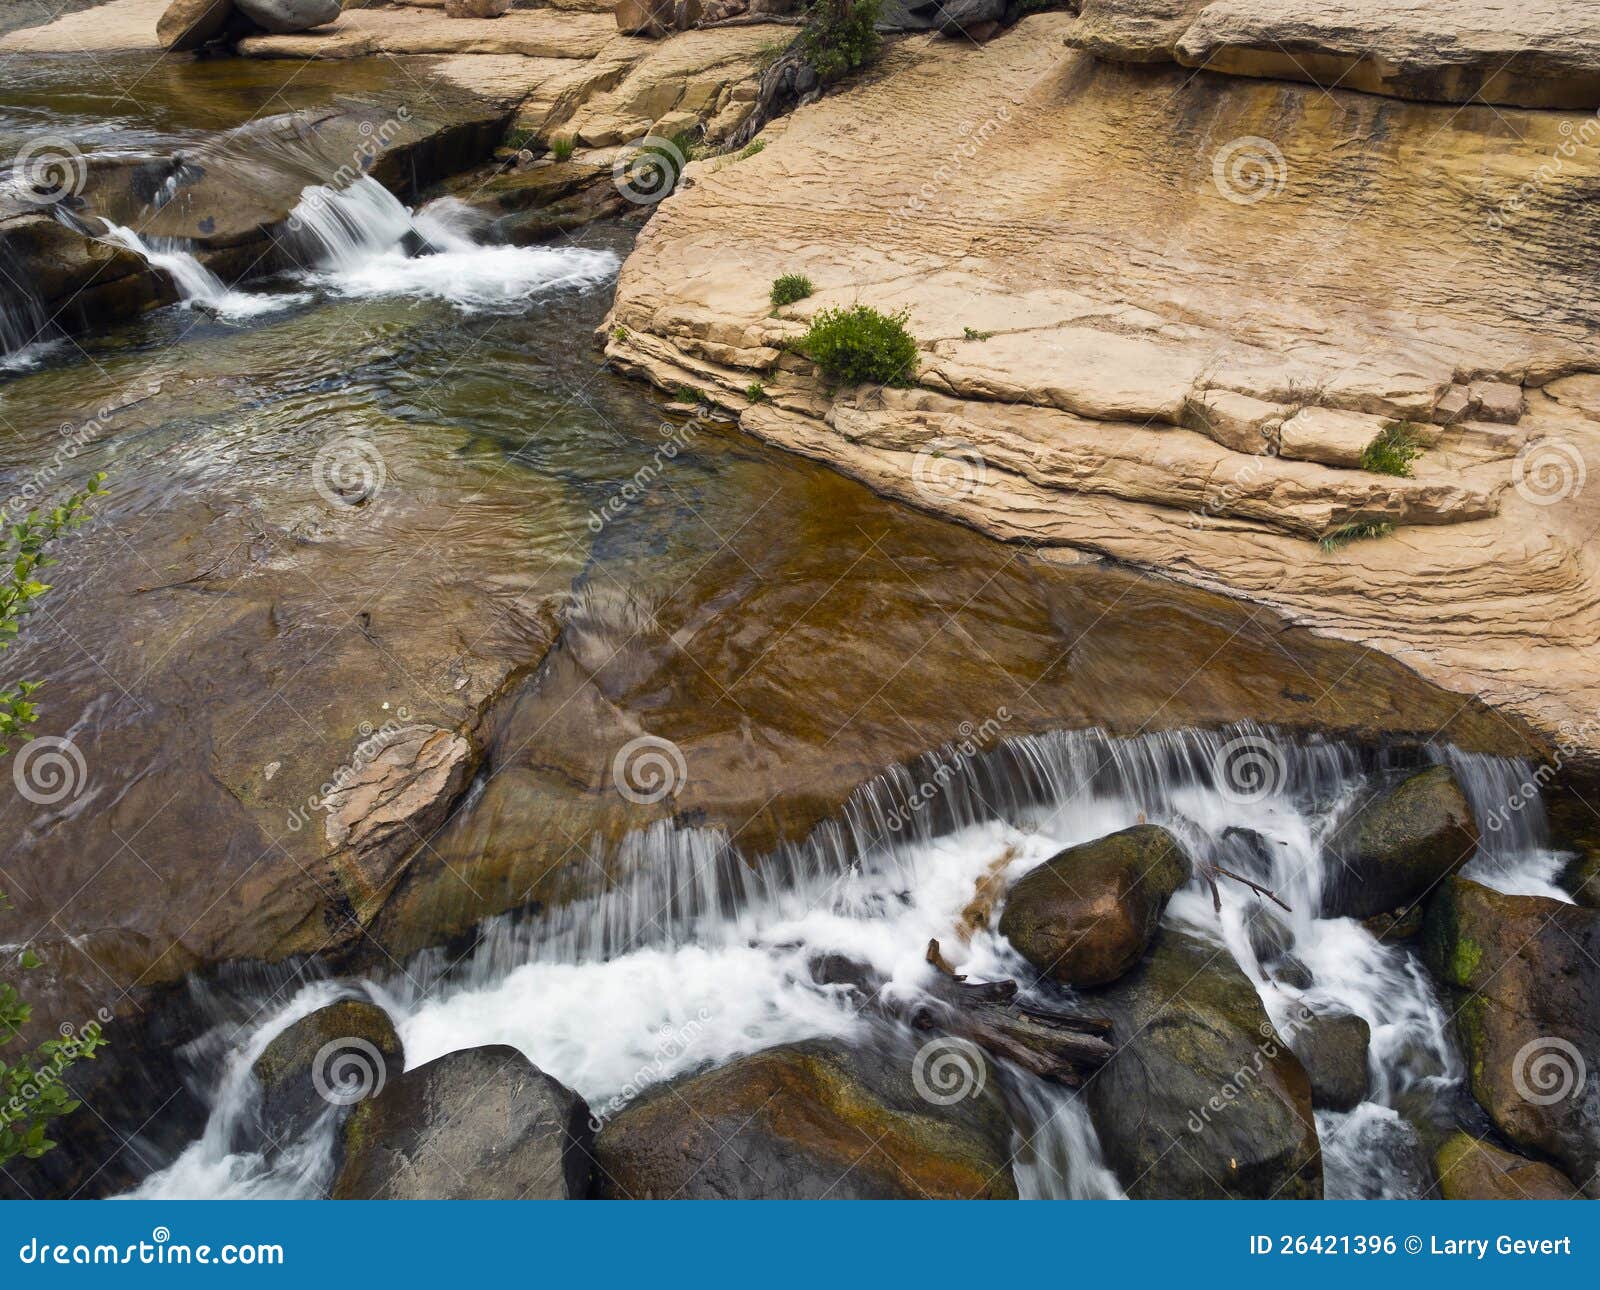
(477, 1124)
(1523, 974)
(1188, 1023)
(1470, 1169)
(810, 1121)
(1332, 1046)
(1086, 916)
(336, 1057)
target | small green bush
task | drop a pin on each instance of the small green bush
(756, 392)
(1348, 533)
(751, 148)
(858, 345)
(1393, 451)
(839, 36)
(789, 288)
(563, 146)
(972, 333)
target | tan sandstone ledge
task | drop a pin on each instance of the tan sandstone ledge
(1181, 274)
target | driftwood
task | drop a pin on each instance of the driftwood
(784, 86)
(1056, 1046)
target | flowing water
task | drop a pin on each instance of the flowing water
(691, 960)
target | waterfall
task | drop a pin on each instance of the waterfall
(693, 954)
(197, 285)
(22, 318)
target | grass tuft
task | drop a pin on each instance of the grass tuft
(563, 146)
(1392, 452)
(789, 288)
(1348, 533)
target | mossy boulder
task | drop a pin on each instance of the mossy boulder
(1398, 844)
(1332, 1046)
(332, 1058)
(1523, 973)
(1086, 915)
(1204, 1099)
(478, 1124)
(815, 1120)
(1469, 1169)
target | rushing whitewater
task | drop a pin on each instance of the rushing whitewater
(693, 957)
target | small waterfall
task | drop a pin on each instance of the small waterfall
(197, 285)
(1514, 851)
(22, 317)
(694, 954)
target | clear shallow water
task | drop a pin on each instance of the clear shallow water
(687, 963)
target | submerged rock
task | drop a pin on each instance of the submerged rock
(281, 17)
(478, 1124)
(1086, 915)
(335, 1057)
(1470, 1169)
(1398, 844)
(815, 1120)
(1524, 973)
(1204, 1099)
(1332, 1046)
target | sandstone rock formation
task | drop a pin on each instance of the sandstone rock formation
(1115, 326)
(284, 16)
(476, 8)
(188, 24)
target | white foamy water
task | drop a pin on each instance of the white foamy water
(197, 286)
(362, 241)
(694, 957)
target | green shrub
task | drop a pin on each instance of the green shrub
(789, 288)
(858, 345)
(839, 36)
(1348, 533)
(756, 392)
(972, 333)
(563, 146)
(751, 148)
(33, 1094)
(1393, 451)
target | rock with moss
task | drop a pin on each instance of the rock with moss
(1086, 915)
(1332, 1046)
(1523, 973)
(1470, 1169)
(1398, 844)
(818, 1120)
(1204, 1099)
(478, 1124)
(331, 1059)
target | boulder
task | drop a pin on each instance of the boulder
(475, 8)
(818, 1119)
(1204, 1099)
(686, 14)
(1398, 844)
(282, 17)
(478, 1124)
(1332, 1046)
(189, 24)
(1524, 974)
(335, 1057)
(1469, 1169)
(1085, 916)
(645, 17)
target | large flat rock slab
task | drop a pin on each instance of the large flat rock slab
(533, 33)
(1184, 244)
(1527, 53)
